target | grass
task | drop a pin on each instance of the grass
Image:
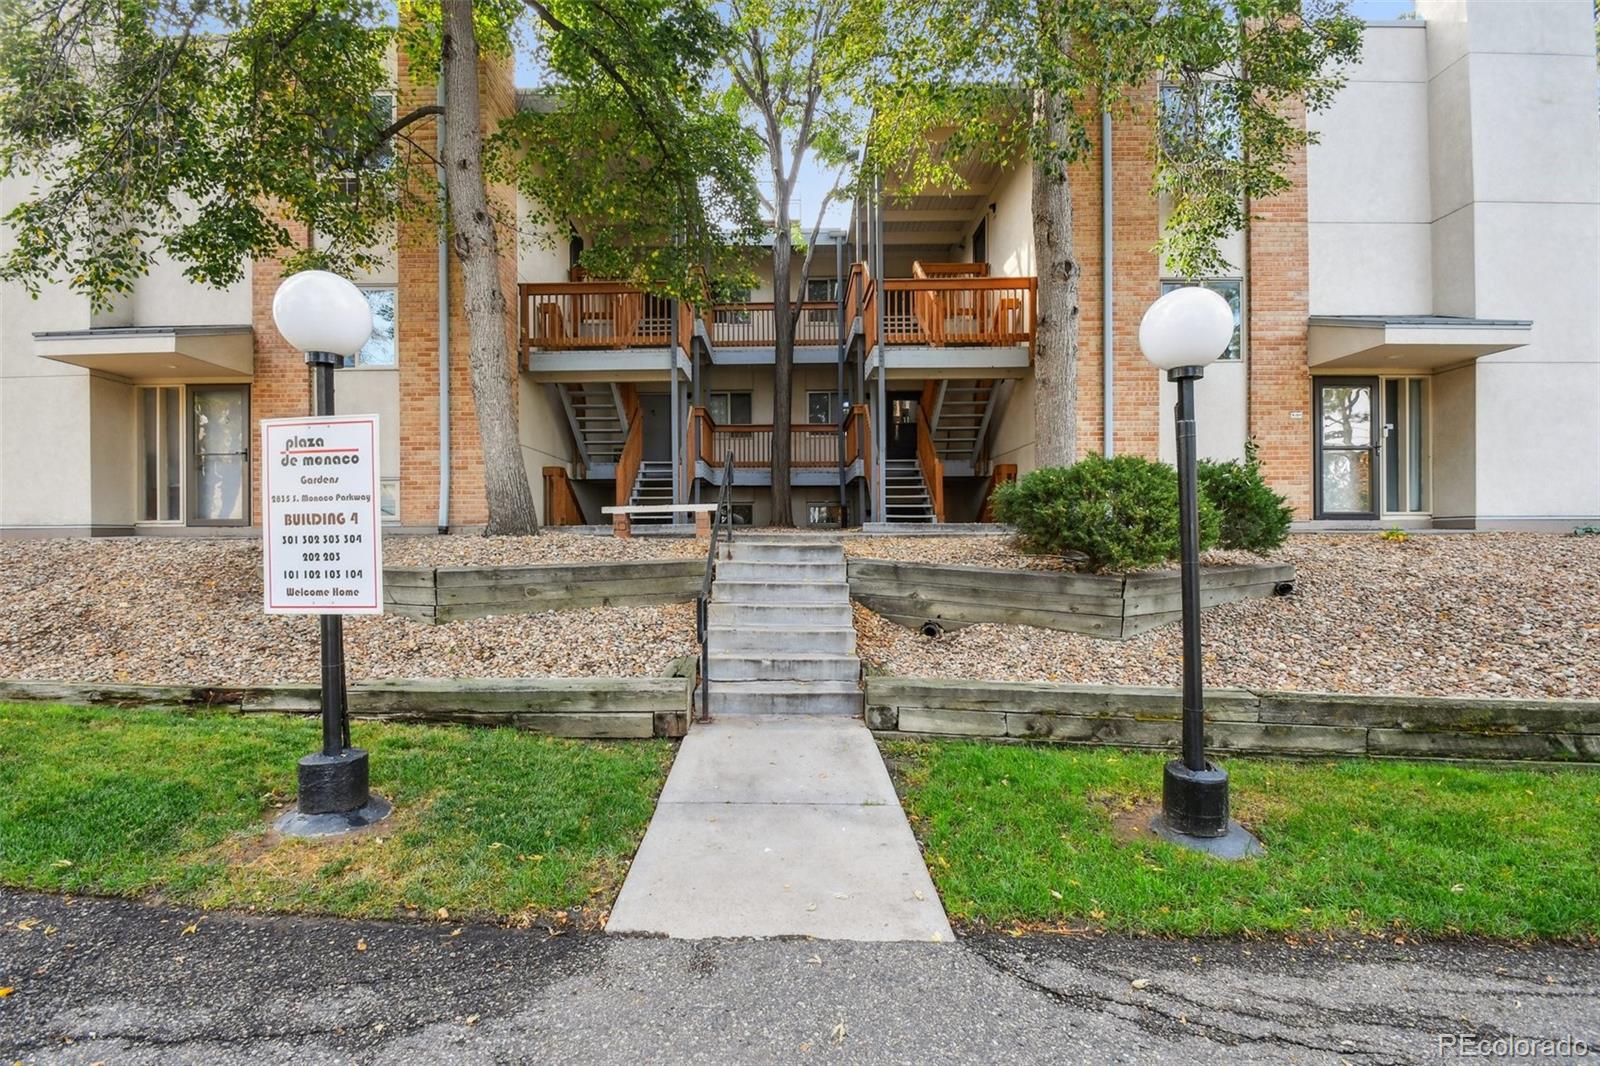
(1024, 835)
(488, 822)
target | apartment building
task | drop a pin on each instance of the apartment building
(1419, 338)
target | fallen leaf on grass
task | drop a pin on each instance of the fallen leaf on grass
(444, 914)
(1055, 894)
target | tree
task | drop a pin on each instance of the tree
(798, 66)
(216, 131)
(1028, 79)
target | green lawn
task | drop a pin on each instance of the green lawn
(489, 822)
(1024, 835)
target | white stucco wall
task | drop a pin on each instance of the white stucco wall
(1515, 182)
(1368, 201)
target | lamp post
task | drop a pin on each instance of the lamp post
(328, 318)
(1182, 333)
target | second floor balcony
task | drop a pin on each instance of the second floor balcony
(946, 317)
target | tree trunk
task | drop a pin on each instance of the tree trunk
(1055, 339)
(782, 370)
(476, 245)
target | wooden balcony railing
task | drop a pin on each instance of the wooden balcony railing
(579, 315)
(942, 312)
(810, 446)
(753, 325)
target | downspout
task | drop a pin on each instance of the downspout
(1108, 288)
(444, 326)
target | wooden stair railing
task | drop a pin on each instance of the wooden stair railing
(561, 506)
(1003, 474)
(632, 446)
(930, 463)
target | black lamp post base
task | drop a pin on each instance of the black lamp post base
(1237, 843)
(333, 784)
(295, 823)
(1194, 813)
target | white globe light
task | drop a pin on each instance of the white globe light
(1186, 327)
(321, 312)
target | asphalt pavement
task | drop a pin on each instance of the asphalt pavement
(119, 982)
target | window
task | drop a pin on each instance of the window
(744, 514)
(1230, 288)
(729, 408)
(380, 349)
(389, 499)
(161, 455)
(1198, 122)
(824, 514)
(822, 408)
(736, 315)
(822, 290)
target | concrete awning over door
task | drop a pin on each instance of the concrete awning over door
(155, 353)
(1408, 342)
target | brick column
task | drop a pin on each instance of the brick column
(1137, 392)
(1278, 306)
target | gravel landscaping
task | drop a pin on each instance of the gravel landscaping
(1487, 614)
(176, 611)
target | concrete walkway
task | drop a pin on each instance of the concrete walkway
(780, 826)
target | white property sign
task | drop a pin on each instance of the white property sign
(323, 551)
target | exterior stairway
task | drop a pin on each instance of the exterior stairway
(652, 486)
(780, 637)
(960, 418)
(596, 421)
(905, 493)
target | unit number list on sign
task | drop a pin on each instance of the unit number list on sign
(323, 552)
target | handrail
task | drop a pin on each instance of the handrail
(931, 465)
(702, 608)
(632, 446)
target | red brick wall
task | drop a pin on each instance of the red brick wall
(1135, 384)
(281, 387)
(1278, 305)
(418, 333)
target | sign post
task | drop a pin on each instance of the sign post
(323, 555)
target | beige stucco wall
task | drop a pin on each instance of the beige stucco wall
(542, 433)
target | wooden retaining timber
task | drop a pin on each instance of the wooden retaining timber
(1100, 605)
(604, 707)
(1242, 721)
(448, 594)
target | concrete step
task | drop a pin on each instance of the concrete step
(753, 638)
(785, 697)
(724, 590)
(796, 615)
(818, 666)
(739, 570)
(753, 550)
